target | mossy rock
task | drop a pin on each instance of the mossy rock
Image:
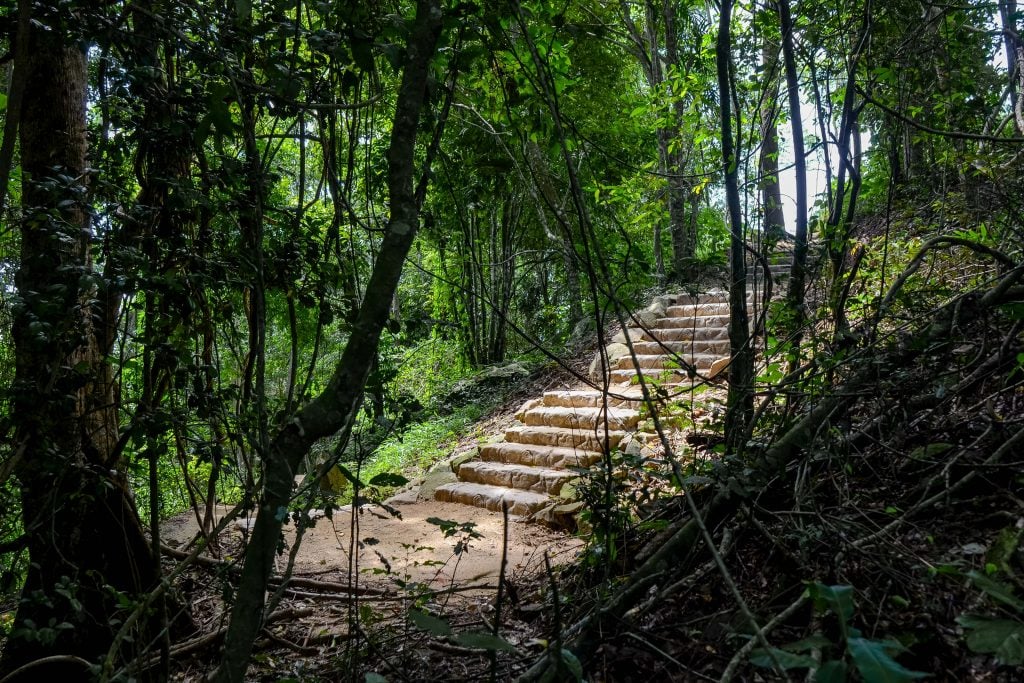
(433, 480)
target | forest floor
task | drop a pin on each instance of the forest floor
(401, 547)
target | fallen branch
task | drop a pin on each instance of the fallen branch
(741, 654)
(44, 661)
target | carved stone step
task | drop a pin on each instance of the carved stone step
(667, 362)
(687, 334)
(582, 418)
(691, 322)
(657, 376)
(690, 310)
(716, 297)
(589, 399)
(520, 503)
(552, 457)
(522, 477)
(564, 438)
(650, 348)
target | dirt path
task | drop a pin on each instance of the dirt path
(409, 549)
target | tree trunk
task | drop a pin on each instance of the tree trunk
(335, 409)
(768, 160)
(84, 532)
(798, 274)
(740, 403)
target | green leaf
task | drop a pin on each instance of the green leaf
(787, 660)
(833, 671)
(811, 642)
(347, 473)
(1002, 637)
(875, 665)
(482, 640)
(573, 664)
(388, 479)
(839, 599)
(996, 590)
(429, 623)
(374, 677)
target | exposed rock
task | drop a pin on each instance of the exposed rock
(435, 480)
(614, 352)
(634, 334)
(718, 367)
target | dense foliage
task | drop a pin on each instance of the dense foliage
(246, 240)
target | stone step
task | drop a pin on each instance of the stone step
(589, 399)
(690, 310)
(581, 418)
(715, 297)
(691, 321)
(675, 334)
(663, 377)
(513, 476)
(647, 348)
(552, 457)
(668, 362)
(779, 270)
(520, 503)
(586, 440)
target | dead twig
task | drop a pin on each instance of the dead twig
(741, 654)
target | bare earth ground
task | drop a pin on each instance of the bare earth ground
(410, 562)
(409, 549)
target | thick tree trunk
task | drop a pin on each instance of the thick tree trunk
(84, 533)
(335, 409)
(740, 403)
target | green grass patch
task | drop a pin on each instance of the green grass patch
(423, 444)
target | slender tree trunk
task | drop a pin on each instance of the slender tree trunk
(1014, 60)
(335, 409)
(740, 402)
(84, 532)
(768, 160)
(798, 276)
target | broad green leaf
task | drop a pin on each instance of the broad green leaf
(482, 640)
(996, 590)
(832, 672)
(388, 479)
(1002, 637)
(787, 660)
(875, 665)
(374, 677)
(839, 599)
(429, 623)
(347, 473)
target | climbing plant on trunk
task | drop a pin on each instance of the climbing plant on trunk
(85, 540)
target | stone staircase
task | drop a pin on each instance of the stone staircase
(677, 341)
